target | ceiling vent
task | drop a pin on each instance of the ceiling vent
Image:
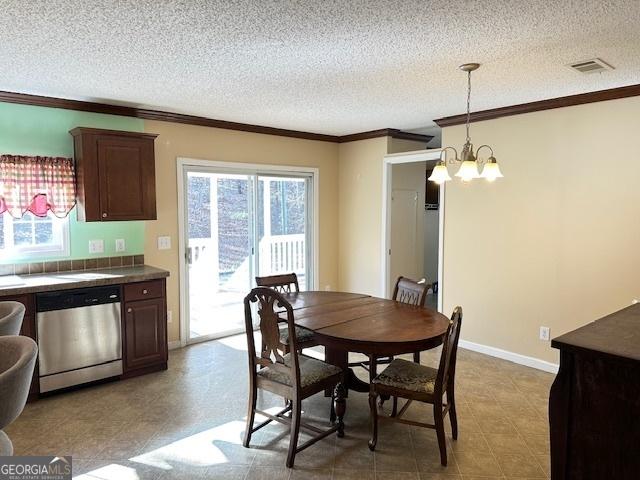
(594, 65)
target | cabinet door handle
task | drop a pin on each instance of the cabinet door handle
(129, 310)
(104, 214)
(145, 291)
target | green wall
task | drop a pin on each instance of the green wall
(29, 130)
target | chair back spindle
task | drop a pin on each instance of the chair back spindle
(285, 283)
(270, 305)
(410, 292)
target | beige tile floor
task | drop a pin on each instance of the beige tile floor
(188, 422)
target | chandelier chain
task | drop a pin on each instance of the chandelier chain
(468, 103)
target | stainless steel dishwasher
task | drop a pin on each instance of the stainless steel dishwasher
(79, 336)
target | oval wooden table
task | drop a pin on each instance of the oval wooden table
(351, 322)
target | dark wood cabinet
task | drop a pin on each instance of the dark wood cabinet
(594, 404)
(432, 193)
(145, 326)
(115, 175)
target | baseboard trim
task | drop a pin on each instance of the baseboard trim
(175, 344)
(510, 356)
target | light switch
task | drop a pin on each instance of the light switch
(164, 243)
(96, 246)
(120, 245)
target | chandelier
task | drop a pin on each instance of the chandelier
(468, 161)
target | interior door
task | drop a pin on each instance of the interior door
(404, 235)
(219, 228)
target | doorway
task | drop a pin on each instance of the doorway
(239, 223)
(412, 222)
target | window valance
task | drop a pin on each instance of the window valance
(37, 185)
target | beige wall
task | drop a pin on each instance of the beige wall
(399, 145)
(176, 140)
(360, 207)
(360, 217)
(554, 243)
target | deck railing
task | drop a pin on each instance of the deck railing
(277, 253)
(282, 253)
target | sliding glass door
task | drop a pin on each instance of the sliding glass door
(282, 227)
(238, 226)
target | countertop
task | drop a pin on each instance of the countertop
(616, 335)
(46, 282)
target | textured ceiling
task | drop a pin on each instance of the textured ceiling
(325, 66)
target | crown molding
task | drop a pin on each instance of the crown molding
(148, 114)
(560, 102)
(385, 132)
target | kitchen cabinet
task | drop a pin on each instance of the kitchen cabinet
(115, 175)
(143, 319)
(145, 327)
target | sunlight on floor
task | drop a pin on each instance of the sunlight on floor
(237, 342)
(203, 449)
(111, 472)
(196, 450)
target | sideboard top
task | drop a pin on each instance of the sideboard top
(616, 335)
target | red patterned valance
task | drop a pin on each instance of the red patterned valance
(37, 185)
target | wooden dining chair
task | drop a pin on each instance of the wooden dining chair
(291, 375)
(288, 283)
(406, 291)
(417, 382)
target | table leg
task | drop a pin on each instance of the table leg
(340, 358)
(373, 408)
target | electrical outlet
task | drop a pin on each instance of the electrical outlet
(96, 246)
(120, 245)
(544, 333)
(169, 316)
(164, 243)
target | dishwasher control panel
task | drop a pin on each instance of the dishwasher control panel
(80, 297)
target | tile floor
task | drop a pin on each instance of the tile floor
(188, 422)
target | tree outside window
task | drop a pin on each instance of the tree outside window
(37, 236)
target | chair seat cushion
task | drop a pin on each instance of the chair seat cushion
(409, 376)
(302, 335)
(311, 371)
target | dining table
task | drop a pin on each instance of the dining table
(351, 322)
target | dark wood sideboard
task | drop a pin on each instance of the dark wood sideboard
(594, 404)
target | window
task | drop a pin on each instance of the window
(36, 236)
